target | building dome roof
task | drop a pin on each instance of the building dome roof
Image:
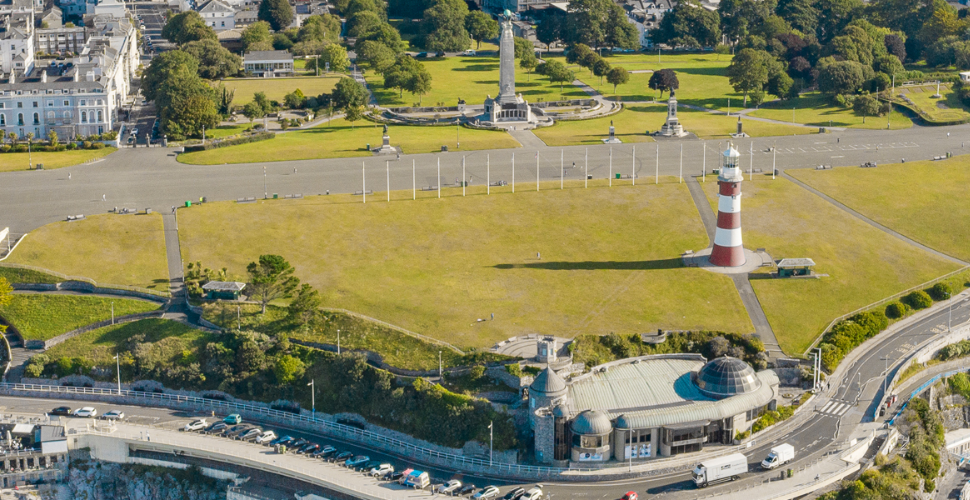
(623, 423)
(730, 152)
(560, 411)
(548, 382)
(726, 376)
(592, 422)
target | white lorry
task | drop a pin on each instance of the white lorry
(726, 468)
(780, 455)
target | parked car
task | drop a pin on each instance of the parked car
(216, 428)
(440, 53)
(421, 55)
(630, 495)
(87, 411)
(532, 494)
(469, 52)
(486, 493)
(366, 467)
(356, 461)
(266, 437)
(324, 451)
(283, 441)
(343, 456)
(397, 476)
(61, 410)
(308, 449)
(113, 415)
(466, 489)
(251, 434)
(514, 494)
(380, 470)
(195, 425)
(237, 430)
(450, 487)
(299, 443)
(233, 419)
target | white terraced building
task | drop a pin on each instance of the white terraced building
(647, 407)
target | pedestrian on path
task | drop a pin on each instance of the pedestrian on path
(104, 197)
(68, 176)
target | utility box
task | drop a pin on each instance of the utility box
(188, 203)
(276, 196)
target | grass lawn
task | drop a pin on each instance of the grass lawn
(472, 79)
(101, 345)
(864, 264)
(814, 108)
(276, 88)
(949, 109)
(437, 266)
(226, 130)
(635, 119)
(14, 275)
(10, 162)
(44, 316)
(703, 79)
(926, 201)
(341, 140)
(396, 349)
(110, 249)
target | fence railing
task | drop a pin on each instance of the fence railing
(89, 281)
(881, 302)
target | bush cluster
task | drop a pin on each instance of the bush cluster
(847, 334)
(896, 310)
(953, 351)
(918, 300)
(246, 139)
(594, 350)
(940, 291)
(770, 418)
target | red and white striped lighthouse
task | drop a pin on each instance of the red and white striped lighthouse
(728, 251)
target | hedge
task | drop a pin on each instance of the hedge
(896, 310)
(246, 139)
(918, 300)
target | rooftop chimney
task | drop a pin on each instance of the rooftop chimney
(43, 76)
(13, 77)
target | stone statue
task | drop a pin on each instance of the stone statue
(385, 129)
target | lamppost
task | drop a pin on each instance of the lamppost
(490, 436)
(885, 374)
(338, 342)
(118, 370)
(313, 397)
(265, 191)
(439, 365)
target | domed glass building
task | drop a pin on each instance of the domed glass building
(647, 407)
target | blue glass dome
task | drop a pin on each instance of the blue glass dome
(725, 377)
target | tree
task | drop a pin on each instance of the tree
(52, 136)
(618, 31)
(271, 278)
(295, 99)
(586, 20)
(288, 368)
(187, 106)
(841, 77)
(387, 35)
(187, 27)
(256, 33)
(336, 55)
(577, 52)
(895, 46)
(378, 7)
(378, 56)
(480, 27)
(306, 305)
(551, 27)
(664, 80)
(353, 113)
(889, 64)
(521, 47)
(688, 25)
(408, 74)
(282, 42)
(617, 76)
(310, 47)
(444, 22)
(528, 62)
(325, 28)
(362, 23)
(226, 96)
(557, 72)
(215, 61)
(253, 111)
(601, 68)
(748, 71)
(802, 14)
(164, 67)
(278, 13)
(349, 93)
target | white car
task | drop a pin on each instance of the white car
(266, 437)
(486, 493)
(450, 487)
(532, 494)
(380, 470)
(469, 52)
(113, 415)
(195, 425)
(87, 411)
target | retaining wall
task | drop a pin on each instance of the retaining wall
(81, 286)
(47, 344)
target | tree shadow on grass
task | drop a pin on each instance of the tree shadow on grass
(477, 67)
(644, 265)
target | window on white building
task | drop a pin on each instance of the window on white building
(100, 116)
(36, 118)
(3, 120)
(67, 103)
(20, 118)
(84, 116)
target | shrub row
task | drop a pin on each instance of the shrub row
(246, 139)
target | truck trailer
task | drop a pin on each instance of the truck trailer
(726, 468)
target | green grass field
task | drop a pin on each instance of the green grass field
(818, 110)
(341, 139)
(611, 267)
(11, 162)
(635, 119)
(276, 88)
(924, 200)
(101, 345)
(472, 79)
(947, 109)
(227, 130)
(703, 79)
(110, 249)
(863, 264)
(14, 275)
(44, 316)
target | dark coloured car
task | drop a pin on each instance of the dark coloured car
(514, 494)
(373, 464)
(62, 410)
(310, 448)
(439, 54)
(324, 451)
(395, 476)
(468, 488)
(299, 443)
(217, 427)
(237, 430)
(343, 456)
(281, 440)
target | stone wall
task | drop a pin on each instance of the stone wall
(81, 286)
(501, 374)
(47, 344)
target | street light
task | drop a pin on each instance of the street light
(885, 374)
(265, 191)
(490, 431)
(313, 397)
(118, 370)
(338, 342)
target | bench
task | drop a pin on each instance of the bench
(499, 183)
(824, 167)
(757, 170)
(246, 200)
(429, 188)
(75, 217)
(292, 196)
(358, 193)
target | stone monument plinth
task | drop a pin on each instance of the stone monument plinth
(508, 109)
(386, 148)
(612, 138)
(672, 127)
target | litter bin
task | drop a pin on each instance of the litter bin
(617, 176)
(589, 176)
(275, 196)
(791, 472)
(40, 166)
(188, 203)
(444, 149)
(368, 146)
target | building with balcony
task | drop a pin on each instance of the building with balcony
(60, 40)
(268, 63)
(642, 408)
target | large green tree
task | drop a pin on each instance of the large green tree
(444, 23)
(336, 56)
(363, 22)
(271, 278)
(325, 28)
(801, 14)
(688, 25)
(278, 13)
(215, 61)
(556, 72)
(481, 27)
(586, 21)
(187, 27)
(617, 76)
(349, 93)
(551, 27)
(748, 72)
(410, 75)
(664, 80)
(305, 306)
(841, 77)
(164, 67)
(257, 36)
(378, 56)
(618, 31)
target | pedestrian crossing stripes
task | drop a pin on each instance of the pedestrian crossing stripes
(835, 408)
